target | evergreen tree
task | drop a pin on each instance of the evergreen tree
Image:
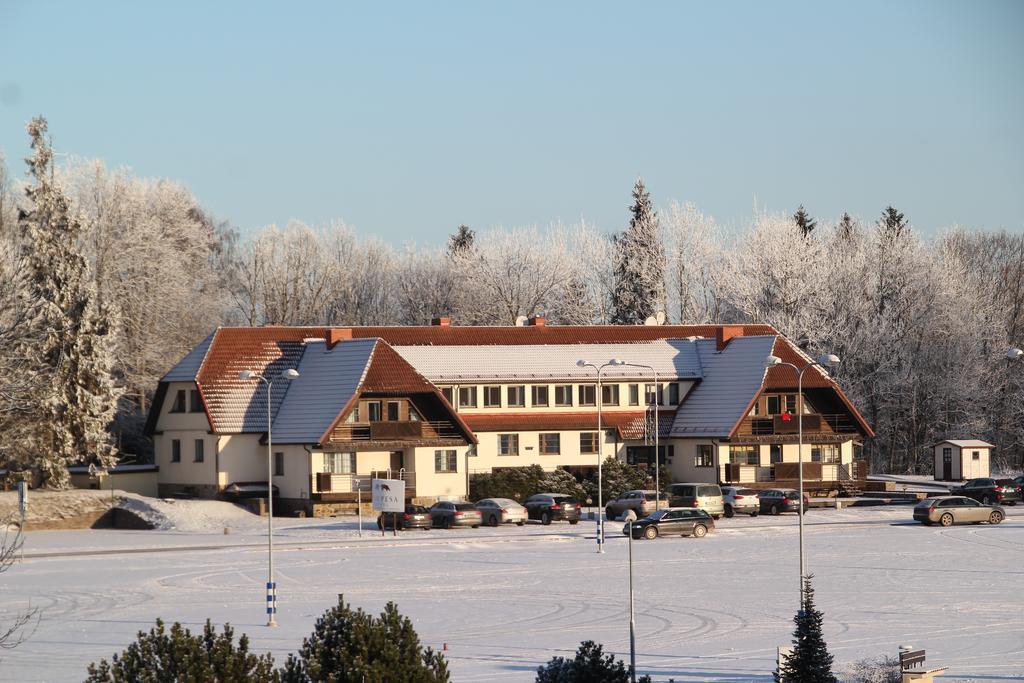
(639, 290)
(891, 225)
(179, 656)
(590, 665)
(461, 242)
(847, 226)
(810, 660)
(617, 477)
(70, 336)
(804, 221)
(349, 646)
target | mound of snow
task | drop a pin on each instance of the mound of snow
(168, 514)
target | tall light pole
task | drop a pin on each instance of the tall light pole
(288, 374)
(657, 428)
(632, 620)
(600, 442)
(825, 361)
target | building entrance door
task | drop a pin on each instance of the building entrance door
(397, 462)
(947, 464)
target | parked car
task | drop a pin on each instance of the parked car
(707, 497)
(551, 507)
(776, 501)
(947, 510)
(495, 511)
(736, 499)
(987, 490)
(414, 517)
(642, 503)
(447, 514)
(671, 521)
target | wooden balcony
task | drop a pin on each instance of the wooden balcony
(817, 475)
(411, 432)
(787, 425)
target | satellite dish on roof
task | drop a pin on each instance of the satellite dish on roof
(651, 320)
(521, 321)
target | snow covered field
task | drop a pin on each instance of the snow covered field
(506, 600)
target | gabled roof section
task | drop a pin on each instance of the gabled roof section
(966, 443)
(672, 358)
(328, 381)
(732, 378)
(187, 368)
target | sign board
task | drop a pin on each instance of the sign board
(22, 497)
(909, 659)
(388, 495)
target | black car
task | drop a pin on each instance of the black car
(672, 521)
(414, 517)
(987, 490)
(551, 507)
(776, 501)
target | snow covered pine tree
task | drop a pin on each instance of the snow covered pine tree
(639, 264)
(70, 336)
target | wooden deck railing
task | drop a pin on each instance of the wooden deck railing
(770, 425)
(395, 431)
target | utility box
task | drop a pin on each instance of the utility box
(962, 459)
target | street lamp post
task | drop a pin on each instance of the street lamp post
(288, 374)
(657, 428)
(600, 442)
(632, 621)
(825, 361)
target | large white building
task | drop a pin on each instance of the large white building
(437, 404)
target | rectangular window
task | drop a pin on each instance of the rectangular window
(773, 405)
(492, 397)
(634, 394)
(651, 394)
(199, 450)
(550, 444)
(775, 453)
(448, 395)
(975, 455)
(393, 409)
(588, 442)
(744, 455)
(563, 395)
(373, 411)
(175, 450)
(673, 394)
(445, 461)
(791, 403)
(195, 404)
(467, 397)
(705, 456)
(588, 394)
(340, 463)
(516, 396)
(179, 402)
(610, 394)
(539, 395)
(826, 453)
(278, 464)
(508, 444)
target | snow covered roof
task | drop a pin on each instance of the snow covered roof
(966, 443)
(672, 358)
(188, 367)
(732, 378)
(328, 380)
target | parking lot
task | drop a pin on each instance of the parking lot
(507, 599)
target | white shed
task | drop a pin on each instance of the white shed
(962, 459)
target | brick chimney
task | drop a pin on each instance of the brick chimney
(726, 332)
(337, 334)
(443, 321)
(535, 321)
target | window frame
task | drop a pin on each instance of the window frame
(195, 401)
(199, 451)
(469, 391)
(610, 394)
(705, 455)
(345, 460)
(535, 391)
(634, 394)
(180, 404)
(590, 443)
(543, 443)
(565, 390)
(370, 410)
(508, 445)
(492, 396)
(585, 390)
(450, 463)
(175, 450)
(749, 451)
(397, 405)
(278, 463)
(673, 393)
(520, 400)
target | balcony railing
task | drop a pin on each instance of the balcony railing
(790, 424)
(790, 471)
(331, 482)
(395, 431)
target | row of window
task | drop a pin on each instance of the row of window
(198, 451)
(384, 411)
(777, 404)
(195, 404)
(751, 455)
(550, 443)
(445, 460)
(564, 395)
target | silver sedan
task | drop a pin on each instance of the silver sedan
(495, 511)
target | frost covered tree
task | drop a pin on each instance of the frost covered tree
(639, 264)
(14, 632)
(804, 222)
(695, 265)
(461, 241)
(69, 336)
(810, 660)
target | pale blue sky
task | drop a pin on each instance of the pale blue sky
(406, 119)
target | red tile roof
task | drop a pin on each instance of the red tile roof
(548, 334)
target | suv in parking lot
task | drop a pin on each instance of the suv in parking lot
(642, 503)
(707, 497)
(737, 499)
(986, 490)
(550, 507)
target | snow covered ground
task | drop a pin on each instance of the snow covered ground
(506, 600)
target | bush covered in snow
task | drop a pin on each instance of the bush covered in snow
(590, 665)
(519, 483)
